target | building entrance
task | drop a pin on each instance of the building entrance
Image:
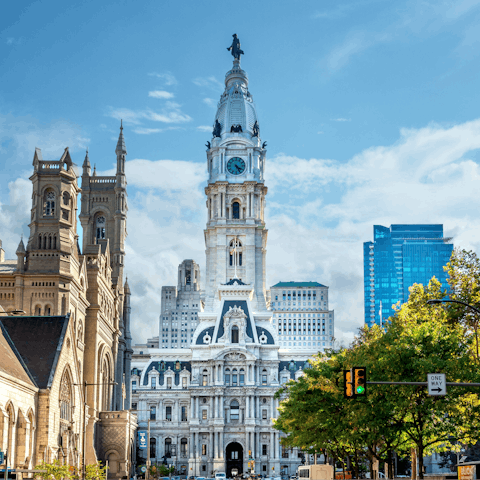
(234, 459)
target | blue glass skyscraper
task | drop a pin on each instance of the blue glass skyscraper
(397, 258)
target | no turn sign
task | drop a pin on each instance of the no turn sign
(437, 384)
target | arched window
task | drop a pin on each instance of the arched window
(168, 447)
(235, 210)
(38, 310)
(242, 377)
(205, 378)
(153, 447)
(65, 405)
(234, 410)
(100, 226)
(227, 376)
(49, 203)
(54, 242)
(183, 447)
(49, 242)
(236, 248)
(234, 377)
(48, 310)
(66, 198)
(39, 241)
(106, 385)
(234, 334)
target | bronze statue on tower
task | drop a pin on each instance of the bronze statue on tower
(235, 47)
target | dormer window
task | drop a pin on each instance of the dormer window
(100, 225)
(49, 204)
(234, 334)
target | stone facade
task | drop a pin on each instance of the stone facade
(215, 401)
(53, 277)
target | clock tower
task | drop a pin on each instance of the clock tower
(235, 236)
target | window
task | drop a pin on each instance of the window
(234, 410)
(65, 404)
(204, 448)
(242, 378)
(227, 376)
(100, 226)
(264, 414)
(205, 378)
(284, 452)
(234, 334)
(153, 412)
(184, 414)
(134, 385)
(235, 210)
(134, 406)
(183, 447)
(264, 378)
(153, 447)
(234, 377)
(66, 198)
(184, 382)
(169, 383)
(204, 414)
(168, 447)
(168, 414)
(49, 204)
(154, 383)
(264, 449)
(234, 455)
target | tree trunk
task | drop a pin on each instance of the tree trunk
(356, 464)
(390, 473)
(420, 461)
(413, 454)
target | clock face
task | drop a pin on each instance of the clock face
(236, 165)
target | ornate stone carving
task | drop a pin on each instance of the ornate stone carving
(235, 317)
(235, 356)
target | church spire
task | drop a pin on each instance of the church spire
(121, 148)
(86, 165)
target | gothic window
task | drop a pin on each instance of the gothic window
(168, 447)
(66, 198)
(227, 376)
(153, 447)
(234, 410)
(100, 226)
(49, 204)
(65, 401)
(106, 385)
(235, 210)
(48, 310)
(234, 334)
(54, 245)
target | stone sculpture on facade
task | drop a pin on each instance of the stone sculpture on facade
(217, 129)
(256, 129)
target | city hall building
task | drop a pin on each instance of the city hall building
(211, 403)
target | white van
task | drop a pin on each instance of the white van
(220, 476)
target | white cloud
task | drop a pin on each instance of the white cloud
(160, 94)
(167, 77)
(147, 131)
(204, 128)
(210, 102)
(341, 119)
(209, 82)
(170, 114)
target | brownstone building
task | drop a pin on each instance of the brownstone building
(66, 323)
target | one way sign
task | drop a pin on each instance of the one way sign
(437, 384)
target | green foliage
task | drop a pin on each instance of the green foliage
(160, 470)
(95, 471)
(419, 339)
(53, 471)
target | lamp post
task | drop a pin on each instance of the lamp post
(85, 385)
(475, 309)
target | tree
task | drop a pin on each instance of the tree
(53, 471)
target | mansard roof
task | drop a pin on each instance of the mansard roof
(38, 341)
(298, 284)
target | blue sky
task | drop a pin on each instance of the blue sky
(370, 110)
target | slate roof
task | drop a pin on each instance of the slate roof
(38, 341)
(235, 281)
(10, 363)
(298, 284)
(8, 266)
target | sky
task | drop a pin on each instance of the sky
(370, 109)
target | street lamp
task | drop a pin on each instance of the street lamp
(475, 309)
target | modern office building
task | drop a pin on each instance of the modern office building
(301, 315)
(179, 309)
(398, 257)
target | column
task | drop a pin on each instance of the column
(248, 204)
(192, 443)
(196, 408)
(272, 445)
(191, 407)
(279, 447)
(218, 205)
(272, 407)
(247, 406)
(222, 444)
(222, 408)
(224, 206)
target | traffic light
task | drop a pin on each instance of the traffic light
(348, 384)
(360, 381)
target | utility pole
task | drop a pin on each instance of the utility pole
(147, 473)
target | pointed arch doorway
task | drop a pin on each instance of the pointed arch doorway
(234, 459)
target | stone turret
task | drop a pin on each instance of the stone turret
(21, 256)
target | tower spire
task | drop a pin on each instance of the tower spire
(121, 148)
(86, 164)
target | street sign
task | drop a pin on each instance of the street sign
(2, 456)
(437, 384)
(142, 439)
